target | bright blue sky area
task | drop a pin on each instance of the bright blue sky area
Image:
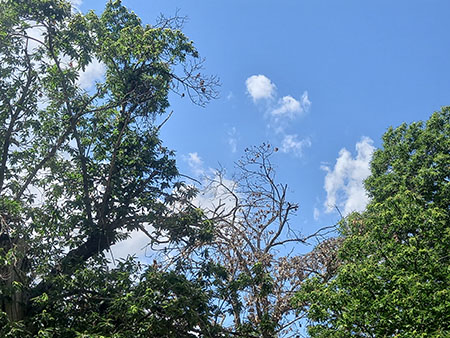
(365, 65)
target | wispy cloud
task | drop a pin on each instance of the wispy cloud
(316, 214)
(260, 87)
(344, 183)
(292, 144)
(195, 162)
(305, 102)
(232, 139)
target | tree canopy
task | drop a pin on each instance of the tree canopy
(81, 167)
(394, 278)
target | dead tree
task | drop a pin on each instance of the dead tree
(257, 247)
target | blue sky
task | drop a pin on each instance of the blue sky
(321, 80)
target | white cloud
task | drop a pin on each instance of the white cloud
(305, 102)
(316, 214)
(260, 87)
(215, 188)
(76, 4)
(93, 72)
(232, 142)
(344, 183)
(36, 33)
(136, 244)
(281, 116)
(287, 106)
(232, 139)
(215, 198)
(291, 144)
(195, 163)
(290, 107)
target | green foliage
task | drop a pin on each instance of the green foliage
(394, 280)
(80, 168)
(124, 302)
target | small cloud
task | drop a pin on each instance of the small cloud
(230, 96)
(316, 214)
(290, 107)
(305, 102)
(287, 110)
(260, 87)
(291, 144)
(195, 163)
(92, 73)
(287, 106)
(344, 183)
(232, 142)
(232, 139)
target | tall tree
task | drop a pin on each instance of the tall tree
(256, 261)
(81, 168)
(394, 280)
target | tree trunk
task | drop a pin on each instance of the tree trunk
(13, 299)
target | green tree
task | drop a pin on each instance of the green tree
(394, 280)
(81, 168)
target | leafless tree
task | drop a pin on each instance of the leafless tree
(258, 249)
